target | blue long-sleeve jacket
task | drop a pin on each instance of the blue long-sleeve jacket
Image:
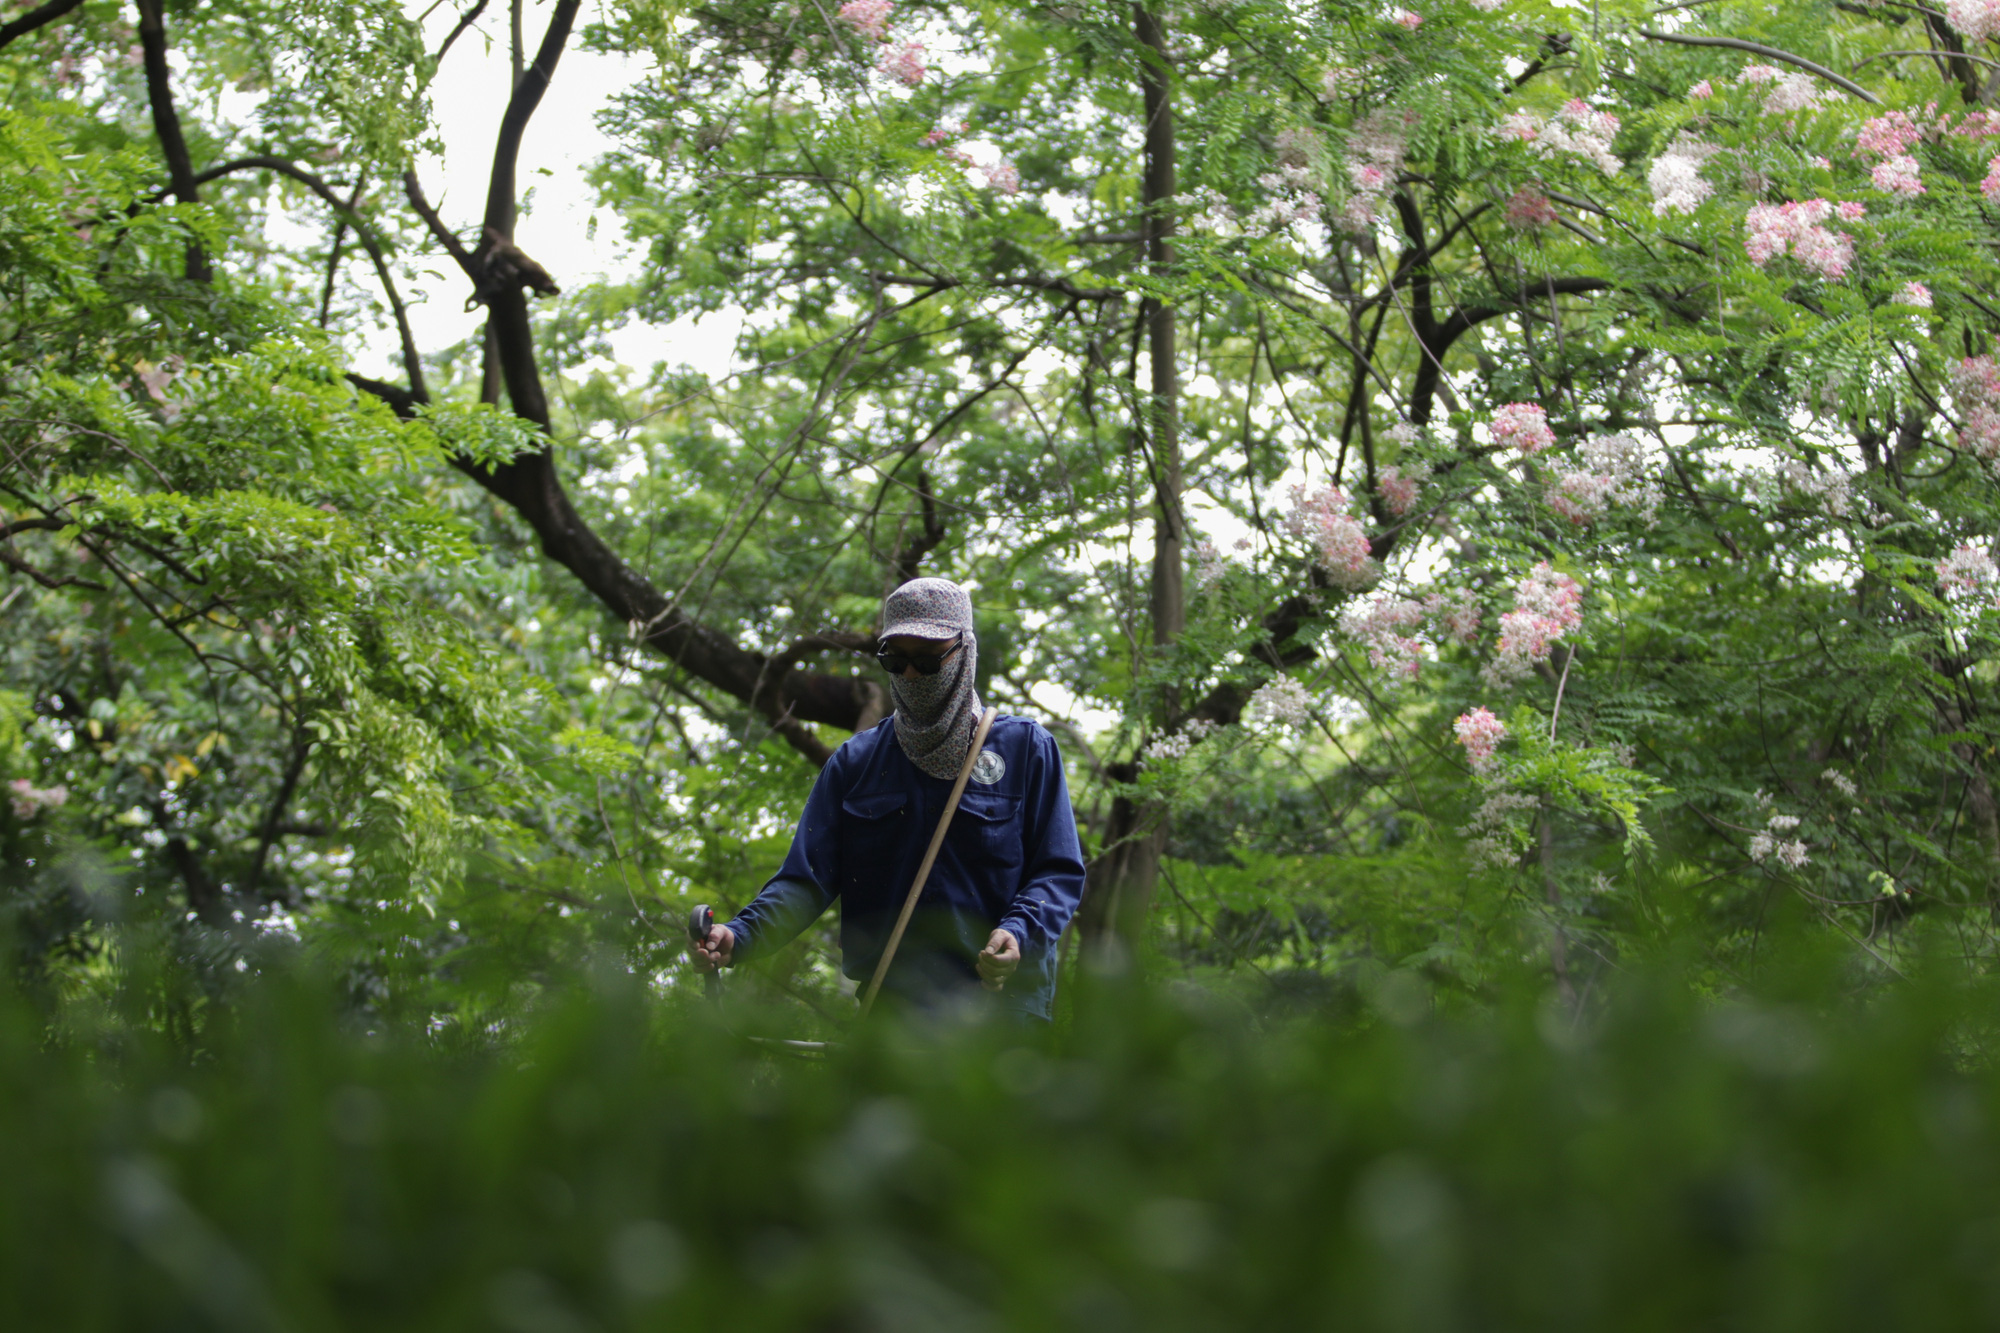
(1010, 860)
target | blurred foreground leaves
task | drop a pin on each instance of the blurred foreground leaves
(1169, 1160)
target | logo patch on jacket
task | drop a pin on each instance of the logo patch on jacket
(989, 768)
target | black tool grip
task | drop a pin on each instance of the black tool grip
(700, 921)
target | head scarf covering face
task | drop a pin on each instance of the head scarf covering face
(936, 716)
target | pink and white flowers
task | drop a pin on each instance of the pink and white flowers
(870, 18)
(1480, 733)
(1605, 470)
(1912, 293)
(1383, 624)
(1969, 568)
(1323, 517)
(1529, 209)
(1375, 148)
(1547, 606)
(1399, 492)
(904, 64)
(1522, 426)
(1577, 131)
(1975, 388)
(29, 800)
(1795, 229)
(1675, 176)
(1977, 19)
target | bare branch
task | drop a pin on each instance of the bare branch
(36, 18)
(167, 124)
(1846, 85)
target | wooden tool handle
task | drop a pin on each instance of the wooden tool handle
(930, 858)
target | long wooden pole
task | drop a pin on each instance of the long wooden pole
(930, 858)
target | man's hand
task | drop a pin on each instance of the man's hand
(998, 959)
(714, 951)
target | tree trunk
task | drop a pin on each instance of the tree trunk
(1120, 889)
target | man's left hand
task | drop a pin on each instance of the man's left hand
(998, 959)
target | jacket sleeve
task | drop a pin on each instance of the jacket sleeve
(1052, 879)
(806, 884)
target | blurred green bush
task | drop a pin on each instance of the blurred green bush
(1809, 1159)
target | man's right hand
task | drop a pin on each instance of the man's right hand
(715, 951)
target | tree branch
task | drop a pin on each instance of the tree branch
(463, 24)
(36, 18)
(167, 124)
(413, 365)
(1841, 82)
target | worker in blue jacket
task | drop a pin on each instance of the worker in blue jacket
(1010, 873)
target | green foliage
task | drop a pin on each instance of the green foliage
(1790, 1159)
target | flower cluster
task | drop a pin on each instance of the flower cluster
(1408, 18)
(1375, 148)
(1547, 606)
(1969, 568)
(1209, 565)
(870, 18)
(1282, 701)
(29, 800)
(1794, 228)
(1522, 426)
(1293, 199)
(1830, 490)
(1606, 470)
(1769, 843)
(1977, 19)
(1675, 176)
(1175, 744)
(1489, 847)
(904, 64)
(1456, 614)
(1575, 131)
(1383, 624)
(1975, 386)
(1399, 492)
(1528, 210)
(1791, 90)
(1912, 293)
(1322, 517)
(1480, 733)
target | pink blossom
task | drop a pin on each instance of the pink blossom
(1850, 211)
(1004, 177)
(1529, 209)
(1977, 125)
(1480, 733)
(1887, 136)
(904, 64)
(1456, 614)
(1899, 175)
(1408, 18)
(1912, 293)
(1990, 187)
(945, 133)
(28, 800)
(1969, 568)
(1524, 426)
(1398, 492)
(1547, 606)
(1702, 89)
(1790, 91)
(1382, 625)
(1822, 163)
(1575, 131)
(870, 18)
(1977, 19)
(1375, 147)
(1322, 518)
(1776, 229)
(1605, 470)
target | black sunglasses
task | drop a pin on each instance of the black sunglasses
(927, 665)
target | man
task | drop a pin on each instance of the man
(1010, 873)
